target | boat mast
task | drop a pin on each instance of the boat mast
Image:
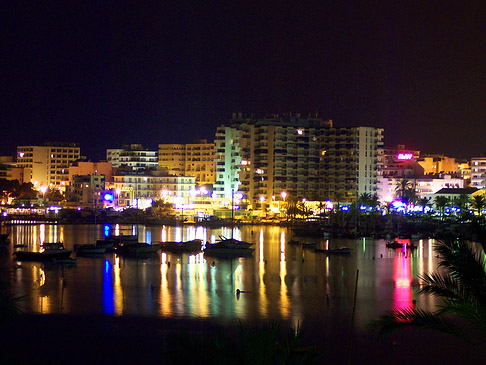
(232, 212)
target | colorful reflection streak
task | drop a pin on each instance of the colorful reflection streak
(402, 276)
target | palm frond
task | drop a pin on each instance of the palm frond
(466, 264)
(442, 286)
(415, 318)
(469, 310)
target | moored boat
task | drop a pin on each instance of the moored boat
(48, 252)
(187, 246)
(229, 248)
(394, 244)
(137, 249)
(89, 249)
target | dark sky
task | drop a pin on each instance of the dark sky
(109, 74)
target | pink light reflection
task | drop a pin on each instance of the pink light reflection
(402, 276)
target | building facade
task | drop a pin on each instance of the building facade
(193, 159)
(91, 168)
(293, 157)
(87, 190)
(478, 172)
(133, 156)
(49, 164)
(140, 188)
(351, 162)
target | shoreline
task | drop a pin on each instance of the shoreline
(61, 339)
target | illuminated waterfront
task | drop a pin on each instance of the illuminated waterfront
(280, 281)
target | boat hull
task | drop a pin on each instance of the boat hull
(89, 250)
(228, 252)
(137, 249)
(188, 246)
(42, 256)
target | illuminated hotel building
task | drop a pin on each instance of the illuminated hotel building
(134, 156)
(192, 159)
(263, 157)
(351, 162)
(401, 163)
(478, 172)
(228, 159)
(49, 164)
(134, 186)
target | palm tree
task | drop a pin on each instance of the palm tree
(405, 191)
(460, 283)
(441, 202)
(425, 203)
(462, 202)
(364, 199)
(479, 203)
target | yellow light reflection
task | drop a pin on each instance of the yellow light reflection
(261, 273)
(42, 233)
(165, 294)
(284, 300)
(117, 288)
(163, 234)
(178, 234)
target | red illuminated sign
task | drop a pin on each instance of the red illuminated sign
(405, 156)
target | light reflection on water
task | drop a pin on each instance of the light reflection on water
(279, 281)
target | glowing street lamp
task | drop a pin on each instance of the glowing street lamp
(43, 190)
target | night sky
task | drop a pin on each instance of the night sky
(109, 74)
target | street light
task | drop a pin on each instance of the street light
(43, 190)
(284, 195)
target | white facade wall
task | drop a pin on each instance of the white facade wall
(478, 172)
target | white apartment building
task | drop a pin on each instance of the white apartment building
(351, 162)
(424, 187)
(49, 164)
(478, 172)
(133, 156)
(132, 187)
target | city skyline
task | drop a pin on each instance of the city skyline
(105, 76)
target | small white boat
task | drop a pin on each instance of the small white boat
(229, 248)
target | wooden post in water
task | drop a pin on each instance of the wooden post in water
(350, 341)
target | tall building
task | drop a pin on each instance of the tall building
(478, 172)
(351, 162)
(228, 161)
(269, 158)
(133, 156)
(49, 164)
(193, 159)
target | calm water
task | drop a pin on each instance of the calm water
(280, 281)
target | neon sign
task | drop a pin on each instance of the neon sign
(405, 156)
